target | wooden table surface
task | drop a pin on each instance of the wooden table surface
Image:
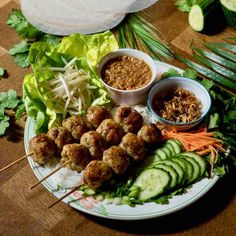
(24, 212)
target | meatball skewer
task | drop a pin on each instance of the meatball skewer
(42, 150)
(74, 156)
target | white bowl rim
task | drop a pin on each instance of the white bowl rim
(152, 67)
(196, 83)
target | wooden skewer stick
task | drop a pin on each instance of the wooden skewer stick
(64, 196)
(37, 183)
(13, 163)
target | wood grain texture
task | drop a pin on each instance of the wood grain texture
(24, 212)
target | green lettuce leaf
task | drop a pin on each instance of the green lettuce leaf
(92, 47)
(34, 105)
(41, 104)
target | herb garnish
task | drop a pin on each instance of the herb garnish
(9, 100)
(29, 34)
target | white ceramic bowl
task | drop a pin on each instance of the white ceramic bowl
(128, 97)
(163, 86)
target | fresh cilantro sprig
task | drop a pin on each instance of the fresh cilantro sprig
(29, 34)
(189, 73)
(20, 53)
(25, 30)
(9, 100)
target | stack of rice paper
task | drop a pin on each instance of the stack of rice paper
(64, 17)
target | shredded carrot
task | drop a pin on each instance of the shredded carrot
(219, 147)
(204, 152)
(200, 141)
(203, 144)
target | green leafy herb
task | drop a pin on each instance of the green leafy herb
(170, 73)
(2, 71)
(185, 5)
(208, 84)
(21, 47)
(25, 30)
(22, 60)
(4, 124)
(214, 121)
(20, 53)
(136, 32)
(190, 73)
(9, 100)
(30, 34)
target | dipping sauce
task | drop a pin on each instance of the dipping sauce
(179, 105)
(126, 73)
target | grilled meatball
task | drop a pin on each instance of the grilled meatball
(77, 125)
(134, 146)
(117, 159)
(95, 173)
(150, 134)
(96, 114)
(77, 154)
(61, 136)
(95, 143)
(129, 119)
(111, 131)
(43, 148)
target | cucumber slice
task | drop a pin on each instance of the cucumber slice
(189, 168)
(167, 151)
(184, 166)
(152, 182)
(175, 144)
(177, 167)
(229, 9)
(196, 18)
(162, 154)
(207, 17)
(171, 149)
(196, 169)
(201, 161)
(171, 171)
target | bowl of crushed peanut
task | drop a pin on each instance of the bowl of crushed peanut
(127, 74)
(178, 102)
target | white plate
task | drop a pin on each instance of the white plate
(119, 212)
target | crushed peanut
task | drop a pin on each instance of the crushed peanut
(126, 73)
(179, 105)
